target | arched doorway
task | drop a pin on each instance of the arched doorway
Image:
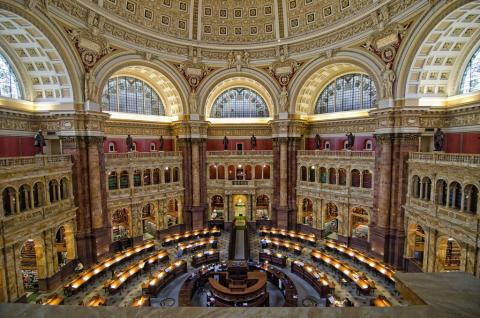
(331, 220)
(416, 244)
(359, 223)
(172, 212)
(448, 255)
(217, 208)
(307, 211)
(31, 258)
(262, 207)
(120, 224)
(240, 205)
(148, 222)
(61, 247)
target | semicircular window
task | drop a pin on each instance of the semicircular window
(348, 92)
(9, 86)
(471, 76)
(239, 102)
(127, 94)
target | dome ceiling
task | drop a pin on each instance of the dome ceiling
(173, 27)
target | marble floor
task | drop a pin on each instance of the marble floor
(307, 296)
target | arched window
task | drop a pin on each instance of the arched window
(426, 188)
(146, 177)
(348, 92)
(470, 200)
(131, 95)
(112, 147)
(156, 176)
(175, 174)
(38, 194)
(9, 85)
(137, 178)
(124, 183)
(24, 196)
(9, 201)
(455, 199)
(368, 145)
(342, 177)
(441, 195)
(53, 190)
(367, 179)
(221, 172)
(248, 172)
(327, 145)
(64, 189)
(471, 76)
(303, 173)
(266, 172)
(416, 187)
(167, 175)
(355, 174)
(112, 181)
(311, 174)
(323, 175)
(239, 102)
(332, 176)
(153, 146)
(231, 172)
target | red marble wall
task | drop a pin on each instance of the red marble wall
(143, 144)
(16, 146)
(465, 142)
(217, 144)
(336, 143)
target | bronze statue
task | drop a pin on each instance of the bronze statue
(39, 142)
(318, 142)
(438, 139)
(225, 143)
(253, 142)
(129, 142)
(350, 141)
(161, 143)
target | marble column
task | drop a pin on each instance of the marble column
(195, 175)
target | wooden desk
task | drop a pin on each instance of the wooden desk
(250, 296)
(54, 300)
(381, 268)
(282, 244)
(314, 277)
(380, 301)
(306, 238)
(282, 281)
(112, 286)
(98, 269)
(272, 257)
(194, 245)
(163, 277)
(141, 301)
(185, 236)
(363, 284)
(96, 301)
(206, 257)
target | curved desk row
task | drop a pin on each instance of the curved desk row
(195, 245)
(54, 300)
(113, 285)
(98, 269)
(317, 279)
(141, 301)
(383, 269)
(163, 277)
(307, 238)
(363, 284)
(206, 257)
(282, 281)
(96, 301)
(185, 236)
(272, 257)
(281, 244)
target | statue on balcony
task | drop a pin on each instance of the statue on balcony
(129, 143)
(39, 142)
(318, 142)
(253, 142)
(438, 140)
(161, 143)
(350, 141)
(225, 143)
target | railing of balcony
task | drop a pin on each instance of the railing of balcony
(337, 154)
(240, 153)
(445, 158)
(37, 161)
(142, 155)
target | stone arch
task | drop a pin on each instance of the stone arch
(415, 243)
(32, 263)
(223, 79)
(217, 207)
(309, 82)
(165, 79)
(307, 211)
(53, 50)
(121, 223)
(433, 57)
(449, 254)
(360, 223)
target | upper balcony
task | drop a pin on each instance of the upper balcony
(445, 159)
(142, 158)
(337, 155)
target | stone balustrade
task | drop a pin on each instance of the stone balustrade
(240, 153)
(343, 154)
(139, 157)
(451, 159)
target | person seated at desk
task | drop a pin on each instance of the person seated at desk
(79, 267)
(263, 242)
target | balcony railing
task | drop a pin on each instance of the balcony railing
(337, 154)
(142, 155)
(240, 153)
(35, 161)
(445, 158)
